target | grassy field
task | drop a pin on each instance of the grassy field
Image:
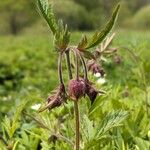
(28, 72)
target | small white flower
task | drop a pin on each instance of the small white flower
(101, 80)
(97, 74)
(36, 106)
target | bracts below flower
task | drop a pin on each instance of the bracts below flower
(92, 92)
(57, 99)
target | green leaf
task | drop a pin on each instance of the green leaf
(12, 124)
(62, 37)
(99, 36)
(142, 144)
(61, 33)
(48, 14)
(111, 120)
(88, 128)
(29, 140)
(82, 44)
(66, 36)
(15, 145)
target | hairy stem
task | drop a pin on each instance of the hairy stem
(77, 65)
(60, 68)
(69, 64)
(76, 109)
(85, 68)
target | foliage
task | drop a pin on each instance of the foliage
(77, 87)
(86, 15)
(141, 19)
(98, 37)
(17, 15)
(101, 122)
(30, 54)
(76, 18)
(48, 15)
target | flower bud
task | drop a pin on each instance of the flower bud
(76, 89)
(96, 68)
(117, 59)
(91, 92)
(55, 102)
(56, 99)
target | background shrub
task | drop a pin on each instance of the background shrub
(73, 14)
(142, 18)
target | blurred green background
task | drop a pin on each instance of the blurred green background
(17, 16)
(28, 63)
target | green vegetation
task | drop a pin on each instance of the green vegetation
(74, 90)
(85, 15)
(16, 16)
(142, 18)
(30, 63)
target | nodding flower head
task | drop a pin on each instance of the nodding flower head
(117, 59)
(53, 102)
(91, 92)
(76, 89)
(56, 99)
(96, 68)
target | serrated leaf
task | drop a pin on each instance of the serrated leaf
(66, 36)
(99, 36)
(62, 37)
(9, 126)
(111, 120)
(12, 124)
(83, 43)
(88, 128)
(48, 14)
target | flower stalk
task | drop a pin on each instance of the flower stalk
(76, 109)
(77, 65)
(60, 68)
(68, 64)
(85, 68)
(77, 119)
